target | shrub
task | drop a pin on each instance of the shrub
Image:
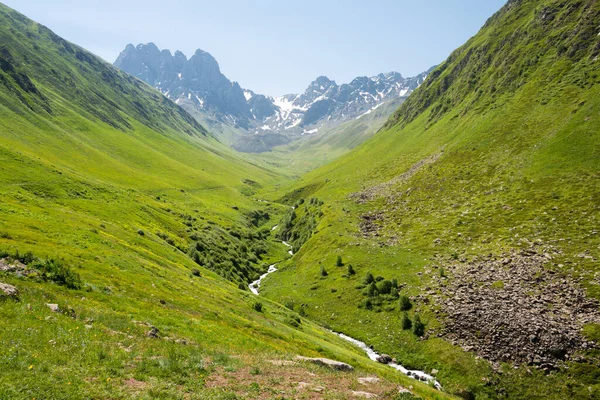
(351, 270)
(418, 327)
(196, 272)
(55, 271)
(372, 290)
(442, 272)
(257, 306)
(406, 323)
(369, 304)
(338, 261)
(289, 303)
(384, 287)
(405, 304)
(323, 271)
(140, 232)
(369, 278)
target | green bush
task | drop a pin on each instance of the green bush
(351, 270)
(384, 287)
(289, 303)
(258, 306)
(405, 303)
(369, 278)
(372, 290)
(55, 271)
(338, 261)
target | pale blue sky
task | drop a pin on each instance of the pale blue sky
(275, 46)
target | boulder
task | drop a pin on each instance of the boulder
(325, 362)
(384, 359)
(365, 395)
(53, 307)
(7, 290)
(153, 333)
(368, 379)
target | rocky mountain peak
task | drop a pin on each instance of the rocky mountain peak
(198, 85)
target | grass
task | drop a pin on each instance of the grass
(160, 222)
(518, 152)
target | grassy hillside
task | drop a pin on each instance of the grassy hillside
(121, 209)
(331, 142)
(497, 153)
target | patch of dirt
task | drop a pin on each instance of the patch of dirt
(283, 379)
(135, 385)
(511, 308)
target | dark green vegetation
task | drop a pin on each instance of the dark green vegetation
(128, 216)
(299, 224)
(497, 151)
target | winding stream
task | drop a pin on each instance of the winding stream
(415, 374)
(254, 286)
(290, 246)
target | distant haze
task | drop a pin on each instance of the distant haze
(275, 47)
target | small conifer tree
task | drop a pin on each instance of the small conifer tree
(351, 270)
(406, 322)
(323, 271)
(418, 327)
(405, 304)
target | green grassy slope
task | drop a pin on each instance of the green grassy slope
(499, 148)
(331, 142)
(126, 190)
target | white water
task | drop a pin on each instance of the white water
(289, 245)
(254, 286)
(275, 227)
(419, 375)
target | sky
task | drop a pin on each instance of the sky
(275, 47)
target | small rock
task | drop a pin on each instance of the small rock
(434, 372)
(53, 307)
(153, 333)
(7, 290)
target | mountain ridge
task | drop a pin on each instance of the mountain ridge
(199, 86)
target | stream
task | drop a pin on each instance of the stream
(415, 374)
(254, 286)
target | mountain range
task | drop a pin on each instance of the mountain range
(199, 86)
